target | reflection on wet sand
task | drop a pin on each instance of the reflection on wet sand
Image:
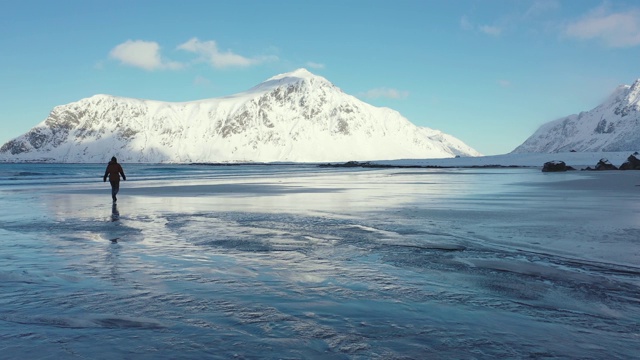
(115, 214)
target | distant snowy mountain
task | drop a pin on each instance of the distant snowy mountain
(292, 117)
(612, 126)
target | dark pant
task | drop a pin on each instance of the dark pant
(115, 187)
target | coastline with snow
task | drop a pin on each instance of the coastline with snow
(577, 160)
(536, 160)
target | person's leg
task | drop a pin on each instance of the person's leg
(115, 187)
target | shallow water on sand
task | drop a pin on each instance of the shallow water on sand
(301, 262)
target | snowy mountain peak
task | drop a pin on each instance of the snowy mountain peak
(299, 76)
(633, 95)
(293, 117)
(301, 73)
(613, 125)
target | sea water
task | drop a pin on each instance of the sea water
(304, 262)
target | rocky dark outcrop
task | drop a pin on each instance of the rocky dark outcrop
(367, 164)
(605, 164)
(632, 163)
(555, 166)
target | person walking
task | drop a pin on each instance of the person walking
(114, 170)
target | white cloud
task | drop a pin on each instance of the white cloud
(540, 8)
(620, 29)
(315, 65)
(386, 93)
(209, 52)
(465, 24)
(504, 83)
(201, 81)
(491, 30)
(142, 54)
(538, 13)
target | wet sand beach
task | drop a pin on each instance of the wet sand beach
(306, 262)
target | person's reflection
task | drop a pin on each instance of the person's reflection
(115, 214)
(112, 261)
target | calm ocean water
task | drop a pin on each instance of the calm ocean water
(302, 262)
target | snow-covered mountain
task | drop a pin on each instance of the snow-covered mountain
(292, 117)
(614, 125)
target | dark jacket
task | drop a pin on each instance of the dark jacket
(114, 170)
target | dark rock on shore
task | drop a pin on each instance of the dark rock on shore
(350, 164)
(367, 164)
(555, 166)
(632, 163)
(605, 164)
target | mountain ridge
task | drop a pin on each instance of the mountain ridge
(613, 125)
(294, 117)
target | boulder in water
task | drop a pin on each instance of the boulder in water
(605, 164)
(632, 163)
(554, 166)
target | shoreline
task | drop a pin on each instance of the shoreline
(577, 160)
(368, 164)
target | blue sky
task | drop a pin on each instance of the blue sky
(488, 72)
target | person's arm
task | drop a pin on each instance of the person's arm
(106, 172)
(122, 173)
